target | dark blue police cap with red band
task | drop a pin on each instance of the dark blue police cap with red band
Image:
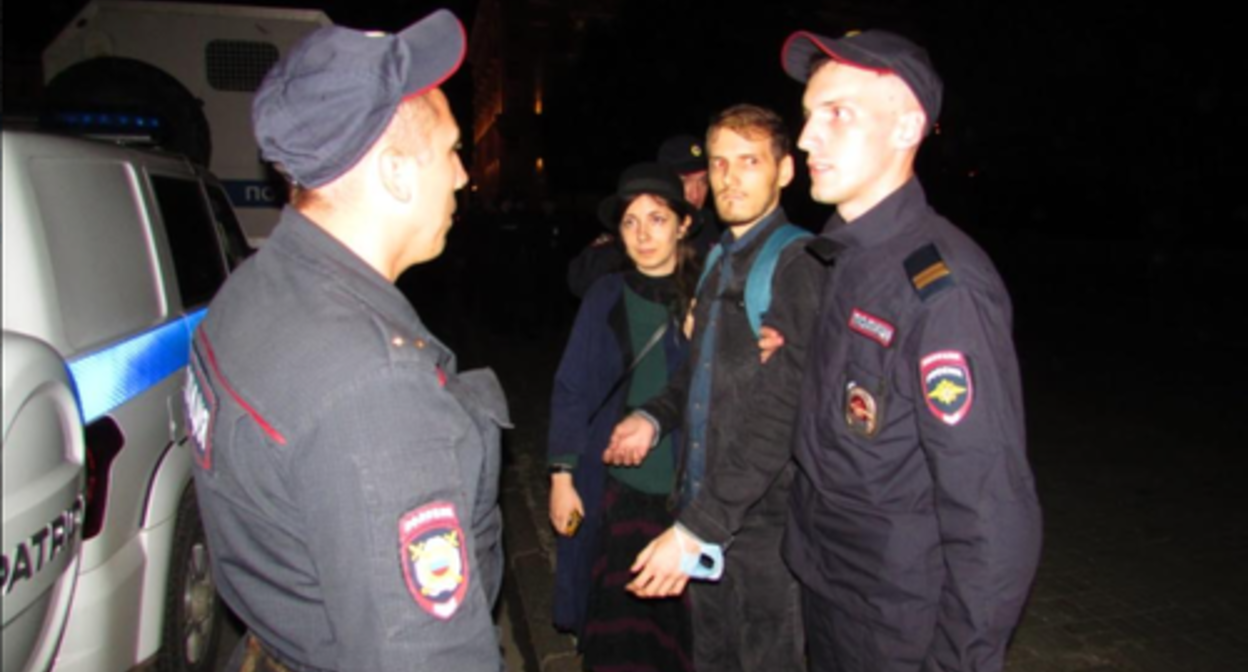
(321, 108)
(877, 50)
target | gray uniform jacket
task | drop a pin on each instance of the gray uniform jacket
(347, 476)
(914, 515)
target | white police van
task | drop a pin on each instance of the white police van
(110, 256)
(190, 69)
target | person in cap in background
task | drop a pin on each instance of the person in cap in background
(347, 475)
(736, 411)
(624, 346)
(687, 155)
(915, 527)
(603, 255)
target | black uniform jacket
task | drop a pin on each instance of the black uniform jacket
(347, 474)
(914, 509)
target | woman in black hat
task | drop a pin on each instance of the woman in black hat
(626, 343)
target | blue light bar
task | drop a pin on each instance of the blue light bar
(106, 121)
(108, 378)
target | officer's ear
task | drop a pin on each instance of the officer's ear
(908, 132)
(396, 171)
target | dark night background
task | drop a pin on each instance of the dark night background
(1094, 149)
(1101, 120)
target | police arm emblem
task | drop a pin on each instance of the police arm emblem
(434, 558)
(947, 385)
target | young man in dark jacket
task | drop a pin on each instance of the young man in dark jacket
(730, 404)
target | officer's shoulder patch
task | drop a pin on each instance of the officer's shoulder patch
(947, 385)
(434, 556)
(927, 271)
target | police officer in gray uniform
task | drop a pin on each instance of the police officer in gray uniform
(915, 527)
(347, 474)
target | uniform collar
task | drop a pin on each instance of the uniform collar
(888, 218)
(298, 235)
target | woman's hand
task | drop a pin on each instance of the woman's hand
(565, 504)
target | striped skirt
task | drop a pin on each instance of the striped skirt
(624, 633)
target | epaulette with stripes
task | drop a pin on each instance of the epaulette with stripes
(928, 272)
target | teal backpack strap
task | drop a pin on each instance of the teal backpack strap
(758, 284)
(711, 257)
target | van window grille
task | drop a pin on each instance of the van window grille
(238, 65)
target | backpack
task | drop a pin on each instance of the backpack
(758, 283)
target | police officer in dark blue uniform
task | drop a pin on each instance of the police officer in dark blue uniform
(915, 527)
(347, 474)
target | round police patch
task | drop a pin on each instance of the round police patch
(435, 561)
(862, 410)
(947, 385)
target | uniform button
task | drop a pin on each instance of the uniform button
(397, 341)
(419, 343)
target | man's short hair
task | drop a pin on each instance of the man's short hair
(752, 121)
(411, 123)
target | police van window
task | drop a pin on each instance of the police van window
(99, 248)
(236, 246)
(238, 65)
(197, 256)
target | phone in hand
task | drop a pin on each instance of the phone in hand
(574, 523)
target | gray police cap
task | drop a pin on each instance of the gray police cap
(323, 105)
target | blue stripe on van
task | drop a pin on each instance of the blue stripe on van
(108, 378)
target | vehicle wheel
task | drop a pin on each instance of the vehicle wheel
(193, 611)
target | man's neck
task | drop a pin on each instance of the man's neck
(363, 241)
(739, 231)
(882, 189)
